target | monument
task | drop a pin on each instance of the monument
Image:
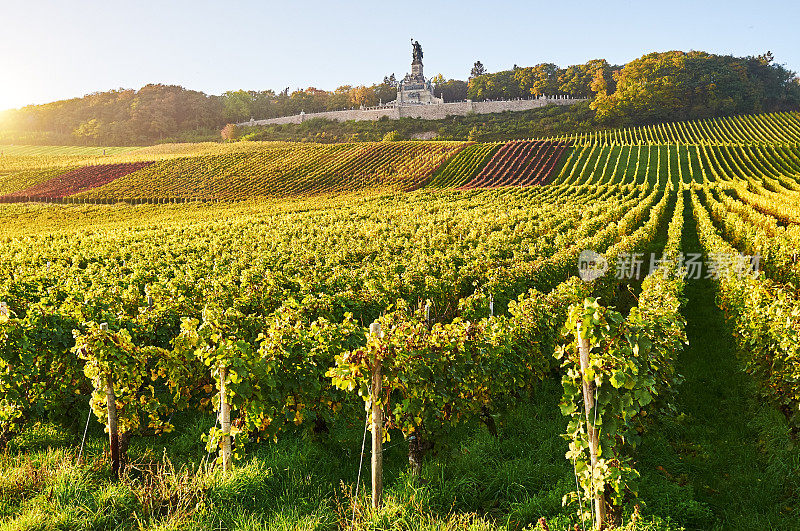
(414, 89)
(415, 99)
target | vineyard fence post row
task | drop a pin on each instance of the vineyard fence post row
(591, 432)
(377, 424)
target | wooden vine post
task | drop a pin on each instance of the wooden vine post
(377, 424)
(592, 433)
(111, 411)
(225, 420)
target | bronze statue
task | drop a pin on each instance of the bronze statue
(417, 53)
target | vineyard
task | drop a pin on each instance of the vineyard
(462, 167)
(217, 172)
(416, 318)
(520, 164)
(32, 151)
(774, 128)
(75, 181)
(757, 166)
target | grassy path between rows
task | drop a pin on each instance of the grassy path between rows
(731, 450)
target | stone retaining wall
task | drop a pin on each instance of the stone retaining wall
(426, 112)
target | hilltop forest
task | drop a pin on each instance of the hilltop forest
(655, 87)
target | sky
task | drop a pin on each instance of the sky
(51, 50)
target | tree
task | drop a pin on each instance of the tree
(501, 85)
(577, 80)
(766, 59)
(599, 84)
(340, 98)
(539, 79)
(363, 96)
(449, 90)
(386, 92)
(238, 105)
(679, 85)
(229, 132)
(87, 131)
(477, 70)
(480, 87)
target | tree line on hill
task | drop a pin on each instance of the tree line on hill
(655, 87)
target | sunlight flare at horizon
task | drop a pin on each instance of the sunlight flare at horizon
(19, 93)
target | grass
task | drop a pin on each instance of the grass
(732, 455)
(473, 481)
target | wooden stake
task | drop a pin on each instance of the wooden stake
(111, 411)
(594, 441)
(113, 433)
(225, 421)
(377, 425)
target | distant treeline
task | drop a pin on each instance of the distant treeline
(166, 113)
(656, 87)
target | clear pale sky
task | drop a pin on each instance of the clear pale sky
(52, 50)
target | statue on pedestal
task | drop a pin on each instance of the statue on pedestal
(414, 89)
(417, 52)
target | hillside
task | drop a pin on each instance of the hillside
(253, 272)
(210, 171)
(748, 148)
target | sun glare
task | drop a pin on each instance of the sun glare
(10, 98)
(21, 88)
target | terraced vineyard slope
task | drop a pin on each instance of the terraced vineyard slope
(782, 127)
(524, 163)
(74, 182)
(229, 171)
(463, 166)
(745, 151)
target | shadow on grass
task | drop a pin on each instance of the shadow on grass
(728, 460)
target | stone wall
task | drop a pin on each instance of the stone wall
(426, 112)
